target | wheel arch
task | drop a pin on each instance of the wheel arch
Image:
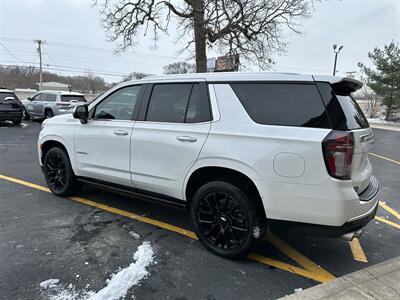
(204, 174)
(51, 143)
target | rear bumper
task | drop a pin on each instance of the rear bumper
(324, 230)
(10, 115)
(368, 198)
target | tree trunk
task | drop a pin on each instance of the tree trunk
(199, 36)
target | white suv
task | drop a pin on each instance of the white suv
(239, 150)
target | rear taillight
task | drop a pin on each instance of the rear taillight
(338, 149)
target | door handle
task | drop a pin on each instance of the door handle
(120, 132)
(190, 139)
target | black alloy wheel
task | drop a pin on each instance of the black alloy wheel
(224, 219)
(58, 172)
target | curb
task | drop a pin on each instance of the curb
(380, 281)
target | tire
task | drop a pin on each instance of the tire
(25, 115)
(17, 122)
(58, 173)
(48, 114)
(225, 219)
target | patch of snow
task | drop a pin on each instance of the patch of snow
(298, 290)
(135, 235)
(381, 121)
(117, 286)
(50, 283)
(120, 282)
(23, 125)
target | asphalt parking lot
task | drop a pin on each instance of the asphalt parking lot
(83, 240)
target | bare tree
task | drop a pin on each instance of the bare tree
(372, 99)
(179, 68)
(135, 75)
(252, 28)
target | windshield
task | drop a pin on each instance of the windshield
(68, 98)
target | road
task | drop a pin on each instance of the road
(83, 240)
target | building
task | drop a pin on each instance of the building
(55, 86)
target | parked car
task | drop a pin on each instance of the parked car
(46, 104)
(10, 107)
(241, 151)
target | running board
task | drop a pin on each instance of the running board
(142, 195)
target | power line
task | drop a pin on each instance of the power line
(68, 45)
(60, 68)
(9, 52)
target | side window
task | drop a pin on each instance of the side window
(36, 97)
(199, 105)
(285, 104)
(119, 105)
(168, 102)
(51, 98)
(41, 97)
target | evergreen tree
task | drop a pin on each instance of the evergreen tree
(384, 79)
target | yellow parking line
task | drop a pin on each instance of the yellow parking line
(389, 209)
(357, 250)
(143, 219)
(395, 225)
(298, 257)
(317, 274)
(385, 158)
(288, 267)
(22, 182)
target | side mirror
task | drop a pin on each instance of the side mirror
(29, 98)
(81, 112)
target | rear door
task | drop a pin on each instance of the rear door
(167, 138)
(346, 115)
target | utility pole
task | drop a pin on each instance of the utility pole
(39, 49)
(336, 51)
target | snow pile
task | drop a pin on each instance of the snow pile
(117, 286)
(56, 291)
(50, 283)
(381, 121)
(120, 282)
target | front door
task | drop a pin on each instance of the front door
(167, 142)
(102, 146)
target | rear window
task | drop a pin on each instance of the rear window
(4, 95)
(68, 98)
(343, 110)
(285, 104)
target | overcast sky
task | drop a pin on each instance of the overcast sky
(76, 41)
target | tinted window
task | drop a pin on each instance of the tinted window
(343, 110)
(119, 105)
(199, 106)
(168, 102)
(284, 104)
(68, 98)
